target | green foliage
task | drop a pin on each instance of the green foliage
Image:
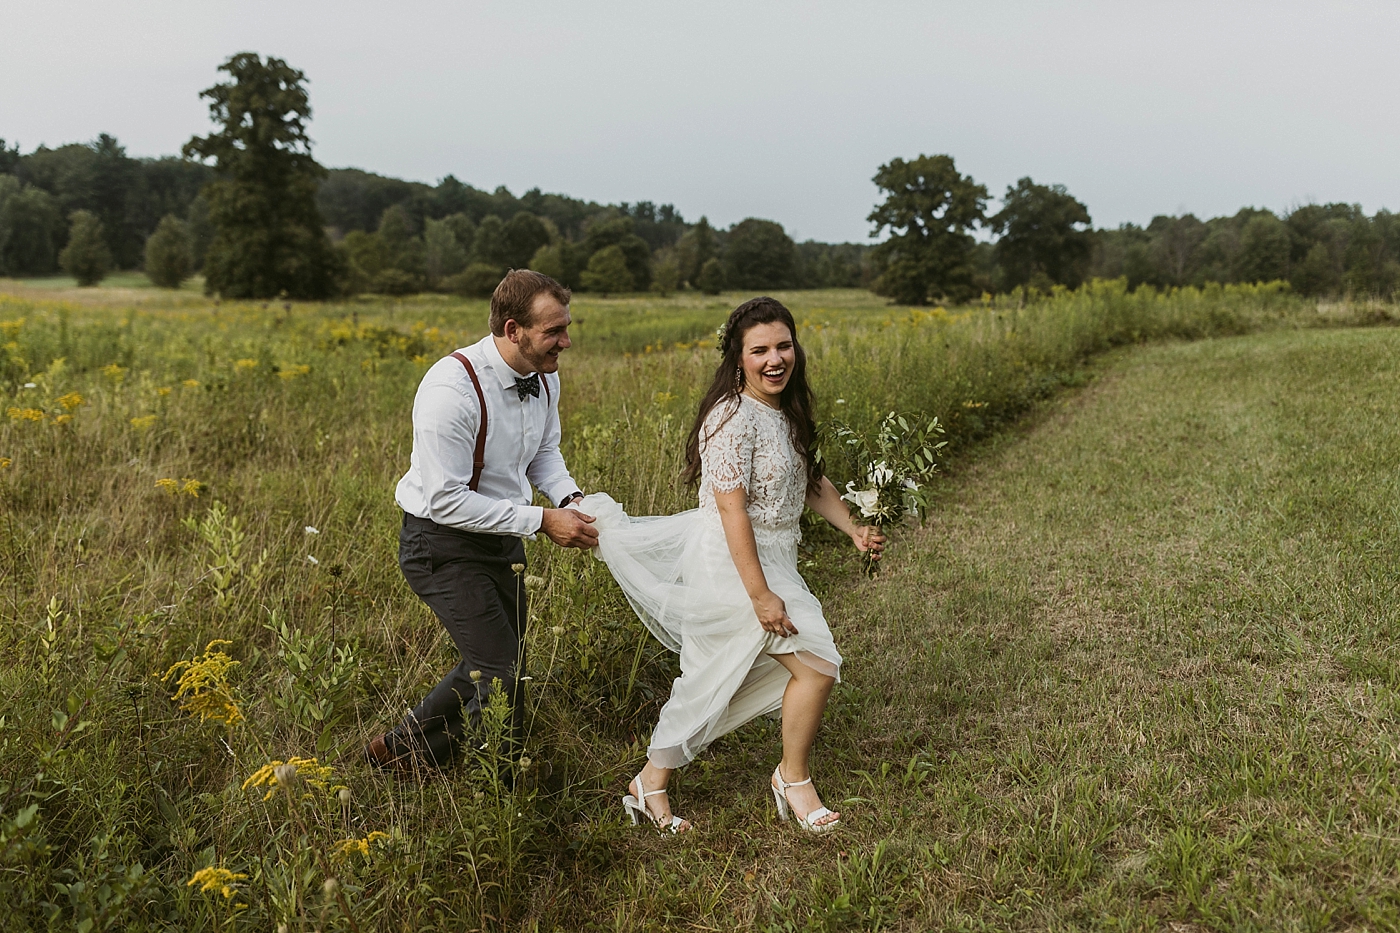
(666, 272)
(1044, 236)
(268, 236)
(758, 254)
(608, 272)
(86, 257)
(929, 210)
(30, 228)
(619, 232)
(168, 259)
(477, 280)
(696, 247)
(443, 253)
(711, 277)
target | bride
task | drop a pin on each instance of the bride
(719, 584)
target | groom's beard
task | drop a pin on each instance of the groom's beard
(542, 361)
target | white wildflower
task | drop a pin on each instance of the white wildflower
(311, 560)
(311, 530)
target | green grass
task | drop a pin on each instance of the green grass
(1137, 671)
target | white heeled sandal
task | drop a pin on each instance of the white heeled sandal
(636, 808)
(808, 822)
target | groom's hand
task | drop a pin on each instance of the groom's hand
(569, 528)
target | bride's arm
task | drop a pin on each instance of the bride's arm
(827, 503)
(738, 534)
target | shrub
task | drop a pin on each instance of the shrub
(711, 277)
(607, 272)
(86, 257)
(478, 280)
(168, 255)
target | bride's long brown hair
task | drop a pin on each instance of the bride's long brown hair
(796, 401)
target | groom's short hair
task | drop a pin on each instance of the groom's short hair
(514, 297)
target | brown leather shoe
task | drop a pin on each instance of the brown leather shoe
(377, 753)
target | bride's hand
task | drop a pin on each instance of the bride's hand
(772, 614)
(868, 539)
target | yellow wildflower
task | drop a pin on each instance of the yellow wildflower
(291, 372)
(26, 414)
(216, 880)
(274, 774)
(5, 463)
(348, 847)
(663, 398)
(71, 401)
(163, 391)
(62, 419)
(203, 688)
(241, 365)
(192, 487)
(144, 422)
(190, 383)
(168, 484)
(114, 372)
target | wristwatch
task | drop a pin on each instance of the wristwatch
(571, 497)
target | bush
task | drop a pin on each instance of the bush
(86, 257)
(168, 254)
(711, 277)
(395, 282)
(477, 280)
(607, 272)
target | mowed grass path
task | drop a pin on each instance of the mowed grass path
(1139, 672)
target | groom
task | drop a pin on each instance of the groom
(485, 427)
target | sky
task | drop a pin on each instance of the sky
(754, 109)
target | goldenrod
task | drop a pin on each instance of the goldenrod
(216, 880)
(280, 773)
(71, 401)
(190, 383)
(242, 365)
(203, 689)
(26, 414)
(114, 372)
(291, 372)
(348, 847)
(144, 422)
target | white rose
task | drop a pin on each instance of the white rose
(863, 499)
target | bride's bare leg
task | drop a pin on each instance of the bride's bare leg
(804, 701)
(659, 805)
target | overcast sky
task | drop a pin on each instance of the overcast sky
(775, 110)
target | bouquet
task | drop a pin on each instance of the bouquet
(895, 462)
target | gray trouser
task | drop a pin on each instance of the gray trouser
(465, 578)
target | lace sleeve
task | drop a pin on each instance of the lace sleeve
(726, 448)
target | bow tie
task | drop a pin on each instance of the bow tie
(530, 386)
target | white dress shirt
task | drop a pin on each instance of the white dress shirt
(522, 447)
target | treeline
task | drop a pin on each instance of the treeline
(1044, 238)
(395, 236)
(1320, 249)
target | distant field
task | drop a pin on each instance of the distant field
(1137, 671)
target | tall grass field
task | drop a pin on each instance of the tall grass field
(1138, 669)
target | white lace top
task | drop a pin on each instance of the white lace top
(747, 444)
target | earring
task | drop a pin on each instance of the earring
(739, 380)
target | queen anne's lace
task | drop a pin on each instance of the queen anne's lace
(747, 444)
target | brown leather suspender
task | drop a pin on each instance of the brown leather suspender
(479, 454)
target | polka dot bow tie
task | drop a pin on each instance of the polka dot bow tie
(530, 386)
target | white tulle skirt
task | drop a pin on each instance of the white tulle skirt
(679, 577)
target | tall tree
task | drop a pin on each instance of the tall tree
(1045, 236)
(268, 231)
(759, 254)
(929, 210)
